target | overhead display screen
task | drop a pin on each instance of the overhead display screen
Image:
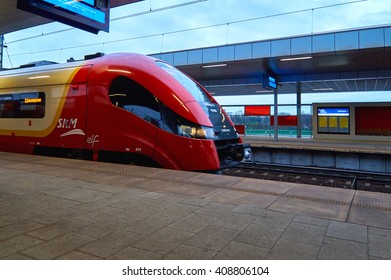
(89, 15)
(269, 82)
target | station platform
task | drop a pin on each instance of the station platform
(53, 208)
(319, 145)
(347, 155)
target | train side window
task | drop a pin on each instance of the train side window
(133, 97)
(23, 105)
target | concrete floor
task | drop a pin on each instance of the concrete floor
(53, 208)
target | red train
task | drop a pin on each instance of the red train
(119, 107)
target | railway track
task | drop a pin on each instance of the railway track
(347, 179)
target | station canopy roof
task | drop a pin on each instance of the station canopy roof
(13, 19)
(343, 61)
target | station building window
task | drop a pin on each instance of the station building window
(22, 105)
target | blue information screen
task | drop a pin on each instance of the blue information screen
(90, 2)
(89, 15)
(269, 82)
(333, 112)
(83, 8)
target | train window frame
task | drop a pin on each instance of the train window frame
(134, 98)
(25, 105)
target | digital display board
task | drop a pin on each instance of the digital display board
(89, 15)
(334, 120)
(332, 111)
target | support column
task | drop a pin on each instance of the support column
(275, 93)
(298, 104)
(1, 51)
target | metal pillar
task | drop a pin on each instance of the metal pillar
(1, 51)
(298, 104)
(275, 93)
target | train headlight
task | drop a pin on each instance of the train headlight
(208, 132)
(196, 131)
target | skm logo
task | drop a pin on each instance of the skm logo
(67, 123)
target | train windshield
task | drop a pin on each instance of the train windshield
(188, 83)
(222, 129)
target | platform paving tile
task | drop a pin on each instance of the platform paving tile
(164, 201)
(241, 251)
(379, 243)
(342, 249)
(275, 219)
(163, 241)
(132, 253)
(285, 249)
(16, 257)
(189, 190)
(103, 228)
(216, 209)
(213, 237)
(58, 246)
(188, 252)
(95, 205)
(111, 243)
(57, 215)
(149, 185)
(77, 255)
(79, 194)
(17, 243)
(235, 220)
(369, 216)
(196, 201)
(249, 209)
(260, 235)
(179, 210)
(52, 231)
(266, 186)
(150, 224)
(304, 233)
(193, 222)
(311, 208)
(108, 213)
(18, 228)
(347, 231)
(311, 220)
(236, 197)
(258, 200)
(372, 198)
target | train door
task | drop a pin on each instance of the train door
(123, 124)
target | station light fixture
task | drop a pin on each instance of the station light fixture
(296, 58)
(214, 65)
(323, 89)
(264, 91)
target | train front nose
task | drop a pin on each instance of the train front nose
(240, 152)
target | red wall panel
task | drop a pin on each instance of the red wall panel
(254, 110)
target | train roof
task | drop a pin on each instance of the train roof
(45, 65)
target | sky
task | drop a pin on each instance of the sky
(154, 26)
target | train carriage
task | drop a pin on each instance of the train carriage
(120, 107)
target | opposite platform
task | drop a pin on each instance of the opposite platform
(52, 208)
